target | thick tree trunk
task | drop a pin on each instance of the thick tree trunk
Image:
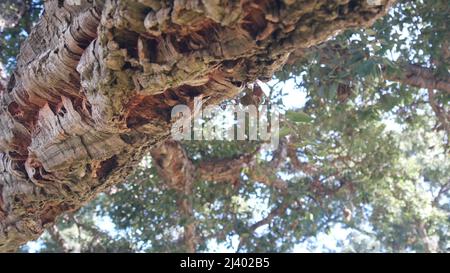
(95, 84)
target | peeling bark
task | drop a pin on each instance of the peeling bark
(95, 84)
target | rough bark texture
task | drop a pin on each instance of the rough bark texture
(95, 84)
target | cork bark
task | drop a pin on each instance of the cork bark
(95, 84)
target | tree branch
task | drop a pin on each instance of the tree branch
(278, 211)
(408, 74)
(442, 115)
(178, 172)
(418, 76)
(58, 239)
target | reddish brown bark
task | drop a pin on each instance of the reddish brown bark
(95, 85)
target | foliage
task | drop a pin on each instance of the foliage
(16, 19)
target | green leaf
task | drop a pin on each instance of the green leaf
(366, 68)
(284, 131)
(371, 32)
(299, 117)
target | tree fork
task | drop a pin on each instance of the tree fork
(95, 84)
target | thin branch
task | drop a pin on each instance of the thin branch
(445, 188)
(440, 112)
(58, 239)
(278, 211)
